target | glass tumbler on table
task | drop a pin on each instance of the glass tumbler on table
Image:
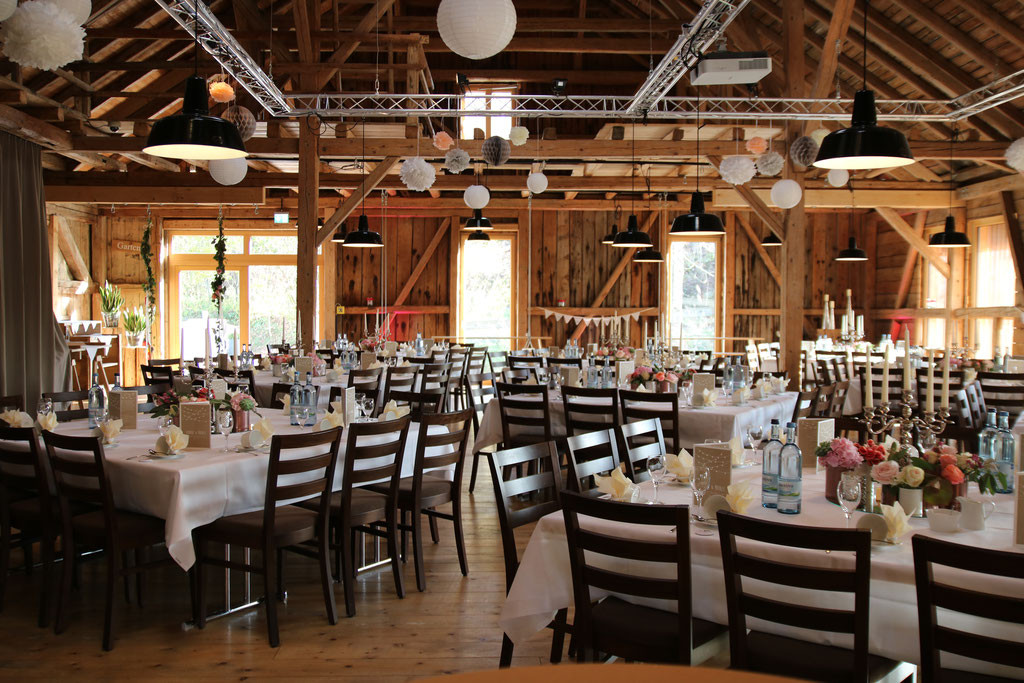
(656, 468)
(755, 433)
(849, 493)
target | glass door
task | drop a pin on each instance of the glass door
(486, 292)
(193, 306)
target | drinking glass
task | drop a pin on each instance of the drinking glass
(755, 433)
(686, 392)
(302, 414)
(848, 492)
(45, 406)
(656, 467)
(225, 421)
(163, 423)
(700, 482)
(365, 404)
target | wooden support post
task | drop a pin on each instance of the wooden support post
(352, 203)
(907, 276)
(309, 192)
(761, 251)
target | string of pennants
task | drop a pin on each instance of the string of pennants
(589, 319)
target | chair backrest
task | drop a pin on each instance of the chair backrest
(1003, 391)
(961, 410)
(67, 414)
(294, 477)
(638, 442)
(147, 392)
(587, 410)
(641, 405)
(496, 359)
(421, 403)
(525, 413)
(277, 393)
(804, 404)
(477, 361)
(523, 498)
(984, 608)
(590, 454)
(157, 374)
(399, 378)
(371, 456)
(956, 380)
(15, 401)
(277, 349)
(366, 380)
(823, 400)
(877, 373)
(976, 401)
(825, 370)
(24, 472)
(165, 361)
(518, 362)
(520, 376)
(839, 393)
(746, 567)
(624, 542)
(79, 472)
(556, 363)
(434, 376)
(443, 449)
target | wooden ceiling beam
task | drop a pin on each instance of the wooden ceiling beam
(773, 270)
(916, 241)
(353, 201)
(832, 48)
(907, 274)
(1011, 219)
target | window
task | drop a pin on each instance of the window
(485, 301)
(993, 271)
(935, 297)
(477, 100)
(694, 292)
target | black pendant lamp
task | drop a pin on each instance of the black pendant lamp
(648, 255)
(631, 236)
(339, 235)
(478, 236)
(194, 134)
(697, 222)
(362, 236)
(478, 221)
(610, 237)
(865, 144)
(771, 240)
(949, 238)
(852, 252)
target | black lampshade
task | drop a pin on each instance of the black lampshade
(194, 134)
(631, 236)
(478, 222)
(363, 236)
(478, 236)
(852, 252)
(772, 240)
(697, 221)
(648, 255)
(610, 237)
(339, 235)
(949, 238)
(864, 145)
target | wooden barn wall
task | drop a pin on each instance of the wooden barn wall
(79, 220)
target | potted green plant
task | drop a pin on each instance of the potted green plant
(135, 326)
(111, 302)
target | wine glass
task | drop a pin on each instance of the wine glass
(45, 406)
(656, 468)
(365, 404)
(848, 492)
(302, 414)
(163, 423)
(755, 433)
(700, 481)
(225, 422)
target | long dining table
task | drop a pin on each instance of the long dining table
(543, 583)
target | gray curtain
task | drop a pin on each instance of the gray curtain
(33, 352)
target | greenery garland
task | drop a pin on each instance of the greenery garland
(220, 247)
(149, 287)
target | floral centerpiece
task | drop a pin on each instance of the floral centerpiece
(687, 374)
(842, 455)
(240, 404)
(168, 403)
(279, 361)
(644, 374)
(621, 353)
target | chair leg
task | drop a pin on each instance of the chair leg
(45, 594)
(405, 523)
(558, 637)
(70, 560)
(200, 579)
(417, 549)
(108, 619)
(280, 575)
(460, 541)
(140, 559)
(192, 590)
(126, 578)
(26, 550)
(5, 558)
(326, 582)
(396, 567)
(435, 536)
(472, 474)
(269, 584)
(348, 571)
(506, 652)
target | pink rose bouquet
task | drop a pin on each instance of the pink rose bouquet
(841, 453)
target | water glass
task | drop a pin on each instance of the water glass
(656, 468)
(302, 414)
(848, 492)
(163, 423)
(700, 482)
(45, 406)
(755, 433)
(226, 422)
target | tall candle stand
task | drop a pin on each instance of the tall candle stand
(931, 423)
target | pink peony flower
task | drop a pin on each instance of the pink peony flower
(885, 472)
(953, 474)
(660, 376)
(843, 453)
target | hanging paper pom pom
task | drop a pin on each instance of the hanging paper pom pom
(519, 135)
(804, 150)
(417, 174)
(243, 119)
(221, 92)
(757, 145)
(786, 194)
(819, 134)
(42, 36)
(737, 170)
(456, 160)
(495, 150)
(476, 196)
(228, 171)
(78, 10)
(536, 182)
(1015, 155)
(770, 163)
(7, 8)
(838, 177)
(442, 140)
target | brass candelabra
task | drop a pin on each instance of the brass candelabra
(930, 423)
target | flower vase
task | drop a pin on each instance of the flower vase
(911, 500)
(241, 421)
(833, 475)
(137, 339)
(958, 490)
(278, 369)
(111, 319)
(649, 385)
(663, 387)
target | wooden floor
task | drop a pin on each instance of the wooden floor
(452, 626)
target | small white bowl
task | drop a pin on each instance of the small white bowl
(943, 520)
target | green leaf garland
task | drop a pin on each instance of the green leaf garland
(149, 287)
(220, 247)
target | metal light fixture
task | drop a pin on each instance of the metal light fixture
(852, 252)
(631, 236)
(478, 236)
(697, 221)
(610, 237)
(558, 86)
(865, 144)
(362, 236)
(771, 240)
(648, 255)
(339, 235)
(478, 221)
(949, 238)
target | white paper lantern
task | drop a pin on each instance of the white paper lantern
(1015, 155)
(519, 135)
(228, 171)
(804, 150)
(536, 182)
(819, 134)
(7, 8)
(43, 36)
(243, 119)
(476, 196)
(476, 29)
(417, 174)
(78, 10)
(456, 160)
(786, 194)
(837, 177)
(770, 163)
(495, 150)
(737, 170)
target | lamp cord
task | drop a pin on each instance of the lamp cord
(363, 164)
(195, 35)
(864, 52)
(952, 139)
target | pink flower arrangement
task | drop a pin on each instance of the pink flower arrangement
(242, 401)
(886, 472)
(281, 359)
(953, 474)
(841, 453)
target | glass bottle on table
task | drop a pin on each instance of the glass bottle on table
(987, 436)
(117, 382)
(791, 465)
(727, 376)
(1004, 452)
(770, 467)
(295, 396)
(309, 397)
(97, 402)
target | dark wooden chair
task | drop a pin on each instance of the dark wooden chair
(366, 382)
(587, 455)
(496, 361)
(280, 526)
(614, 626)
(638, 442)
(399, 379)
(69, 397)
(162, 362)
(278, 349)
(157, 374)
(522, 500)
(825, 371)
(666, 410)
(839, 393)
(435, 376)
(520, 376)
(976, 401)
(479, 392)
(15, 401)
(556, 364)
(960, 411)
(460, 361)
(524, 362)
(525, 414)
(79, 471)
(988, 608)
(877, 373)
(477, 361)
(1003, 391)
(146, 392)
(588, 410)
(277, 393)
(744, 573)
(420, 403)
(956, 380)
(804, 406)
(822, 406)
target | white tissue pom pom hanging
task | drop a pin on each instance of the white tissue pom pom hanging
(838, 177)
(1015, 155)
(757, 145)
(442, 140)
(476, 29)
(228, 171)
(42, 36)
(770, 163)
(476, 196)
(804, 150)
(819, 134)
(243, 119)
(737, 170)
(519, 135)
(221, 92)
(786, 194)
(7, 8)
(536, 182)
(78, 10)
(456, 160)
(495, 150)
(417, 174)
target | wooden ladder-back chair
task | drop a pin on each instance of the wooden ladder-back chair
(588, 410)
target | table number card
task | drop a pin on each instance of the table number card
(718, 458)
(366, 359)
(1018, 510)
(623, 369)
(570, 376)
(195, 422)
(220, 387)
(124, 406)
(702, 381)
(390, 348)
(303, 364)
(345, 405)
(811, 431)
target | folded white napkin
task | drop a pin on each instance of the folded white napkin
(47, 422)
(392, 411)
(173, 441)
(287, 408)
(736, 450)
(253, 439)
(330, 421)
(895, 521)
(970, 374)
(110, 429)
(739, 497)
(265, 364)
(741, 395)
(334, 375)
(16, 418)
(289, 375)
(680, 465)
(264, 427)
(779, 384)
(709, 397)
(404, 364)
(374, 365)
(643, 388)
(617, 486)
(530, 380)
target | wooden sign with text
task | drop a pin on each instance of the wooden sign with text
(126, 245)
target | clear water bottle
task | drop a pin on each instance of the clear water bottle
(997, 361)
(117, 382)
(728, 376)
(309, 395)
(1004, 452)
(770, 467)
(418, 344)
(97, 402)
(295, 394)
(987, 436)
(790, 474)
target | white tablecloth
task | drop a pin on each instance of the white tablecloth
(696, 425)
(543, 583)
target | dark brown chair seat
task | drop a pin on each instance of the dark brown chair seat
(292, 525)
(770, 653)
(955, 676)
(134, 530)
(649, 625)
(367, 506)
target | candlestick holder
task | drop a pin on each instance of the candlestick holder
(930, 423)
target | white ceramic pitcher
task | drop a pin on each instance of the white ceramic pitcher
(973, 513)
